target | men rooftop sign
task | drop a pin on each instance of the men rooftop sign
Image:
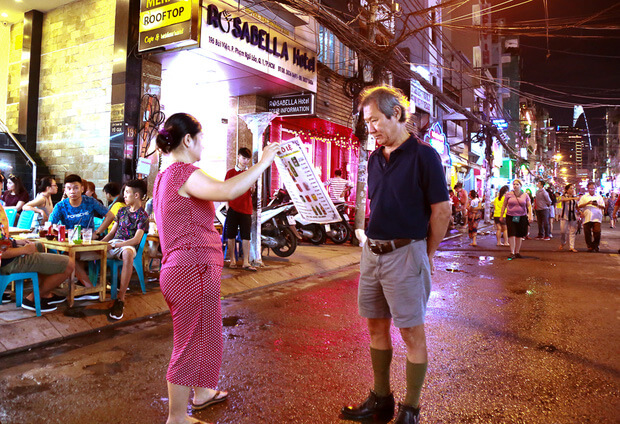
(168, 23)
(299, 104)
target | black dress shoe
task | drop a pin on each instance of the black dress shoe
(381, 408)
(407, 415)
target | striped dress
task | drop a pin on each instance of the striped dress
(190, 279)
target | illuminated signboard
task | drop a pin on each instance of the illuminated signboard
(168, 24)
(438, 141)
(242, 35)
(500, 123)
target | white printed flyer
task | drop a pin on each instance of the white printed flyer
(303, 184)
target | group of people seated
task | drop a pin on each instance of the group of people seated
(125, 221)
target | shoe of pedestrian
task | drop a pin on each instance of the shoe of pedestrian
(91, 296)
(55, 299)
(575, 250)
(407, 415)
(538, 238)
(547, 238)
(117, 309)
(596, 249)
(377, 407)
(45, 307)
(6, 298)
(518, 256)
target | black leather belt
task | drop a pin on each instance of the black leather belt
(379, 248)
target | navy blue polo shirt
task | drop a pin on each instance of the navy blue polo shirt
(402, 190)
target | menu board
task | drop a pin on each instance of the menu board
(304, 185)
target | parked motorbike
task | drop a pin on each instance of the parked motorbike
(340, 232)
(276, 232)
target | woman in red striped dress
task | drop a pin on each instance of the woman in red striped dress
(192, 262)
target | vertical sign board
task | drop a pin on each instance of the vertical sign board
(168, 24)
(242, 35)
(485, 37)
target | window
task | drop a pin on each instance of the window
(334, 54)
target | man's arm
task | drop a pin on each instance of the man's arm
(132, 241)
(438, 225)
(13, 252)
(109, 217)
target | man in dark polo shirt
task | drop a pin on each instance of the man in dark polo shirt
(409, 215)
(239, 215)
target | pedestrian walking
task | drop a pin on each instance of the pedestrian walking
(409, 215)
(462, 203)
(518, 209)
(500, 226)
(592, 206)
(542, 205)
(473, 216)
(552, 215)
(612, 200)
(569, 218)
(192, 262)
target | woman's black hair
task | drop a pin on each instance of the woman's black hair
(175, 128)
(473, 194)
(19, 186)
(44, 183)
(502, 191)
(567, 187)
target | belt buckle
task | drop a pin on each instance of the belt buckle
(372, 245)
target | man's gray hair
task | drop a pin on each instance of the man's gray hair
(386, 98)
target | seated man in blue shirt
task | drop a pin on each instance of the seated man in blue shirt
(78, 209)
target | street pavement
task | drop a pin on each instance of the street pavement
(531, 340)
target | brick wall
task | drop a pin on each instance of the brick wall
(75, 88)
(15, 56)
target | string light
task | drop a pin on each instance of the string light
(342, 141)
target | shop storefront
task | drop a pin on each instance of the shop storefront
(330, 146)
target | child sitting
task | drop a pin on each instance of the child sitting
(131, 223)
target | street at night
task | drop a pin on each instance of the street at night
(309, 211)
(532, 340)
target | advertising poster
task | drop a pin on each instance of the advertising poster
(306, 189)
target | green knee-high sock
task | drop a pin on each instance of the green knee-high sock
(381, 360)
(415, 380)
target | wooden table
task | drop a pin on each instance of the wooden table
(15, 230)
(100, 247)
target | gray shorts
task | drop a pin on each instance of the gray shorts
(43, 263)
(395, 285)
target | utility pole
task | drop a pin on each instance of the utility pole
(362, 136)
(488, 154)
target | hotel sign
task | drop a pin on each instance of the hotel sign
(168, 23)
(299, 104)
(242, 35)
(423, 99)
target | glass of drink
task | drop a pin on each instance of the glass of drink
(87, 235)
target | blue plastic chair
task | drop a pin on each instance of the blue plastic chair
(115, 264)
(97, 223)
(25, 220)
(11, 214)
(19, 278)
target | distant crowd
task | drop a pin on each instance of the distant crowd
(575, 211)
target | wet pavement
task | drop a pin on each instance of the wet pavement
(532, 340)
